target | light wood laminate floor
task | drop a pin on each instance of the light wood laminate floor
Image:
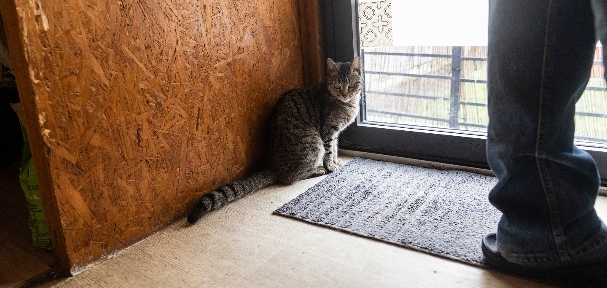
(244, 245)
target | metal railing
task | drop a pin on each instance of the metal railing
(456, 80)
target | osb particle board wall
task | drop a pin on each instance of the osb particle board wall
(140, 107)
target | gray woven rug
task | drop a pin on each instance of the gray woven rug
(445, 213)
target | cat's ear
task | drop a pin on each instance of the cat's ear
(331, 64)
(356, 66)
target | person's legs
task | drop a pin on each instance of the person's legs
(540, 55)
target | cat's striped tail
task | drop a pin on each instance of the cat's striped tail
(231, 192)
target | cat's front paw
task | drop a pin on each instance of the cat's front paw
(319, 171)
(332, 165)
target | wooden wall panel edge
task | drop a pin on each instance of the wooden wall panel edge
(14, 33)
(310, 23)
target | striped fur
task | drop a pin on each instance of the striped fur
(304, 128)
(231, 192)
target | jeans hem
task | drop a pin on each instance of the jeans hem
(586, 253)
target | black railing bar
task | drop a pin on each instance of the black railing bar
(591, 139)
(409, 54)
(407, 115)
(474, 59)
(406, 95)
(408, 75)
(425, 55)
(424, 76)
(440, 56)
(482, 81)
(461, 102)
(466, 80)
(596, 88)
(456, 83)
(480, 104)
(590, 114)
(472, 125)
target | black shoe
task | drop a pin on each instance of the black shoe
(587, 275)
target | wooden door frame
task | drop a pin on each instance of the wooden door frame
(310, 27)
(10, 17)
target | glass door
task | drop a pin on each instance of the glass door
(425, 93)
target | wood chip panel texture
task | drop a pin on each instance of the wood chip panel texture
(146, 105)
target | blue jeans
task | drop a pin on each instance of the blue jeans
(540, 56)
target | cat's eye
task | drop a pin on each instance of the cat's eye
(352, 85)
(337, 86)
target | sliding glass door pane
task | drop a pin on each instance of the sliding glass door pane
(411, 80)
(446, 87)
(425, 88)
(591, 109)
(435, 86)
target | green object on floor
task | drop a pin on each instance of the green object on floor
(29, 183)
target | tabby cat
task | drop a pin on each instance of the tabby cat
(304, 128)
